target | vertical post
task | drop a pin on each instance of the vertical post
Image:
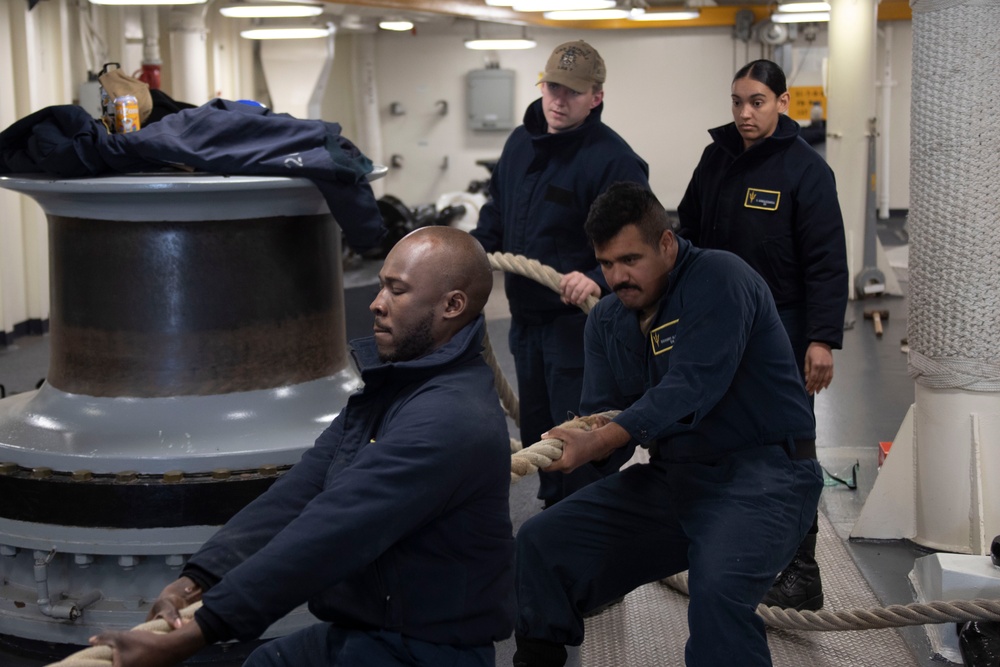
(851, 92)
(939, 482)
(188, 54)
(954, 277)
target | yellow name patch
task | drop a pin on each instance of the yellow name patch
(765, 200)
(662, 337)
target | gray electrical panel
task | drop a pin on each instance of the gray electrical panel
(491, 99)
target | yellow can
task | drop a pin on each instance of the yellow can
(126, 114)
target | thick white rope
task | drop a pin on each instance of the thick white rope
(878, 618)
(540, 455)
(101, 656)
(540, 273)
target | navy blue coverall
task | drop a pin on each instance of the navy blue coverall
(713, 391)
(775, 205)
(541, 191)
(395, 527)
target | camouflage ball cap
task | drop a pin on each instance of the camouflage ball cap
(576, 65)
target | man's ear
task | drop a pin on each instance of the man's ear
(455, 304)
(666, 240)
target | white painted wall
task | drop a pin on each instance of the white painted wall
(661, 106)
(665, 89)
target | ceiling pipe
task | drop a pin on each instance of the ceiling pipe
(151, 61)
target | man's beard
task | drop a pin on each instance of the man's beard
(414, 343)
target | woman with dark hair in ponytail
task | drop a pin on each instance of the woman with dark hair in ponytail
(761, 192)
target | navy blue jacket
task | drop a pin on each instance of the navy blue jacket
(398, 518)
(220, 137)
(541, 191)
(716, 372)
(775, 205)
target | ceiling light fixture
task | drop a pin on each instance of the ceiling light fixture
(560, 5)
(804, 7)
(800, 17)
(500, 44)
(480, 43)
(287, 33)
(396, 25)
(587, 15)
(679, 15)
(250, 10)
(148, 2)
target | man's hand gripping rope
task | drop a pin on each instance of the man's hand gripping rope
(540, 455)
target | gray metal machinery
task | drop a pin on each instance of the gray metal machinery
(197, 349)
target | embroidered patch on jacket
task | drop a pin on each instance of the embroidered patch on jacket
(765, 200)
(662, 337)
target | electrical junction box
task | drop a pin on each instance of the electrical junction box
(491, 99)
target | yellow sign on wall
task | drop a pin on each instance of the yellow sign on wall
(802, 100)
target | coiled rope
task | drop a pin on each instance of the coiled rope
(541, 454)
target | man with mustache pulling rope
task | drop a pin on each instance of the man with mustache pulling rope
(691, 350)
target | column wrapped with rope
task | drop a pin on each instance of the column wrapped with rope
(954, 313)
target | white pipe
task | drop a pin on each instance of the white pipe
(296, 71)
(151, 35)
(315, 105)
(369, 128)
(188, 54)
(886, 98)
(851, 87)
(70, 77)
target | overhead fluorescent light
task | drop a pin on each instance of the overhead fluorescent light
(587, 15)
(250, 10)
(148, 2)
(397, 25)
(500, 44)
(804, 7)
(560, 5)
(286, 33)
(685, 15)
(800, 17)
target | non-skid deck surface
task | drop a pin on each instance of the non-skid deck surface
(650, 627)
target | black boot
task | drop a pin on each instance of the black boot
(538, 653)
(979, 642)
(798, 586)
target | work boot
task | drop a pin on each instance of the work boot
(979, 643)
(798, 586)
